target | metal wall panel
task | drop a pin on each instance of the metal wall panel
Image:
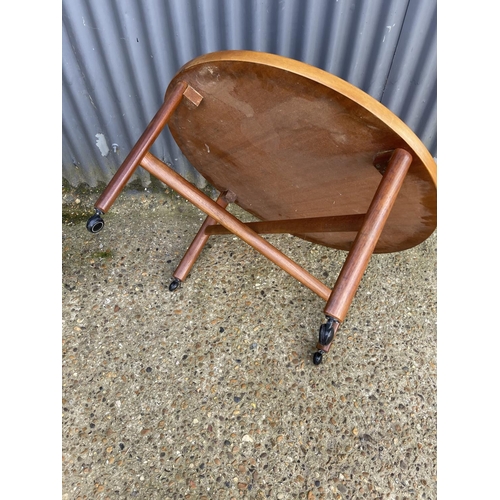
(411, 89)
(119, 56)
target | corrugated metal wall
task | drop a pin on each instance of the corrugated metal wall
(120, 55)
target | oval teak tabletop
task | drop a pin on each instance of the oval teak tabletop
(293, 141)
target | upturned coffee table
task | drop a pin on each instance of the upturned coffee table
(305, 152)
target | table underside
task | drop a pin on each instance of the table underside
(290, 146)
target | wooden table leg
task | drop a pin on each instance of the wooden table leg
(197, 245)
(131, 162)
(238, 228)
(357, 260)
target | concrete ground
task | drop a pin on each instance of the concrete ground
(210, 392)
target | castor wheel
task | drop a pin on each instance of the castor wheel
(317, 357)
(174, 285)
(95, 223)
(326, 333)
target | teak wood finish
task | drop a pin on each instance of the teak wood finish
(293, 141)
(303, 151)
(153, 130)
(215, 211)
(198, 243)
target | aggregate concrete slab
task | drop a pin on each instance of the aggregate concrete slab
(210, 392)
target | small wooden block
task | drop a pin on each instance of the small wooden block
(381, 160)
(230, 197)
(192, 95)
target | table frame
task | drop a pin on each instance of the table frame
(219, 221)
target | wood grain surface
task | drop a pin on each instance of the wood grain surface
(293, 141)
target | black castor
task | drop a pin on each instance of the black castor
(95, 223)
(317, 357)
(174, 285)
(326, 332)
